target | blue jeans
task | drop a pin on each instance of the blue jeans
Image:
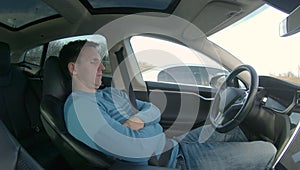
(220, 151)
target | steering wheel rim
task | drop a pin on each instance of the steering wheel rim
(226, 114)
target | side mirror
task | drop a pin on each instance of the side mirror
(291, 24)
(217, 80)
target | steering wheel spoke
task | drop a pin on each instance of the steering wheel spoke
(231, 104)
(219, 118)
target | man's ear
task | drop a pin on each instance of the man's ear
(72, 68)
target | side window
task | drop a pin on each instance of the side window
(32, 61)
(106, 62)
(165, 61)
(54, 47)
(34, 55)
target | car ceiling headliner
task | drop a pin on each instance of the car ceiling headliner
(209, 16)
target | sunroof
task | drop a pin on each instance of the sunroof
(17, 13)
(123, 6)
(151, 4)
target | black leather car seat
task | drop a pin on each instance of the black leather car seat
(20, 110)
(19, 107)
(13, 155)
(269, 126)
(56, 88)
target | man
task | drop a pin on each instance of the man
(105, 120)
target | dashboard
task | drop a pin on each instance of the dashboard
(278, 95)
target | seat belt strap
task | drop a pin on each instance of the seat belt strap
(125, 77)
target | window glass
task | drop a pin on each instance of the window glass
(165, 61)
(255, 41)
(151, 4)
(17, 13)
(34, 55)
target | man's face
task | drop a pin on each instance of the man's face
(89, 68)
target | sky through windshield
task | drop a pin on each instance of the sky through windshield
(255, 40)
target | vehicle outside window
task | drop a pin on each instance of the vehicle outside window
(173, 63)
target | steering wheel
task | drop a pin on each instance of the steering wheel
(231, 104)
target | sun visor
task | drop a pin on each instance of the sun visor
(215, 14)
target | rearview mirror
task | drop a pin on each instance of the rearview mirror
(291, 24)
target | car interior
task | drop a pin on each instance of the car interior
(32, 94)
(21, 115)
(14, 156)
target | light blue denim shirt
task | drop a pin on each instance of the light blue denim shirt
(97, 120)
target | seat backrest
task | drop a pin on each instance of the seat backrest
(19, 108)
(13, 155)
(268, 125)
(56, 88)
(55, 82)
(5, 58)
(283, 132)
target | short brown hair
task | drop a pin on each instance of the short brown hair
(70, 52)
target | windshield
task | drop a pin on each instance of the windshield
(255, 41)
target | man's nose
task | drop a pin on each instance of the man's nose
(101, 67)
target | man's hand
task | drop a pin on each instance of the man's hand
(134, 123)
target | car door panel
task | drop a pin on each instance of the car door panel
(183, 107)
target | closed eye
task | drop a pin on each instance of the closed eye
(95, 61)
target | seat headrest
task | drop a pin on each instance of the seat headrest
(55, 82)
(4, 58)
